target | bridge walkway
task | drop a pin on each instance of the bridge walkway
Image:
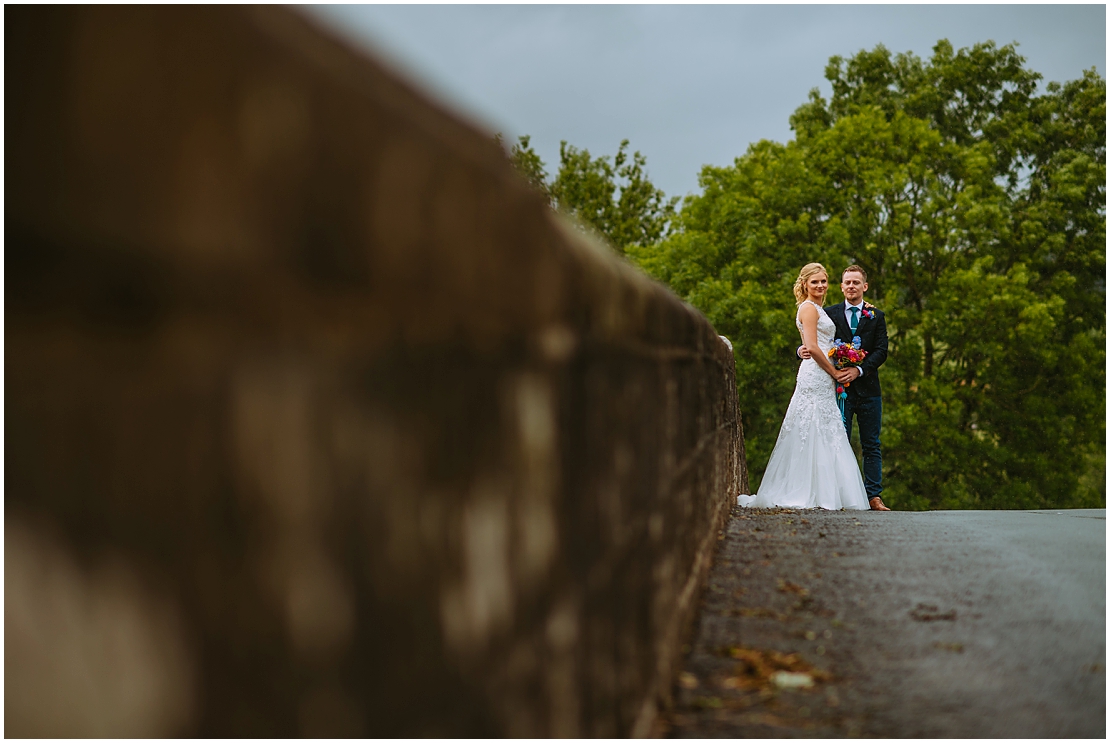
(935, 624)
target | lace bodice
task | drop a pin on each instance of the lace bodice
(814, 395)
(826, 329)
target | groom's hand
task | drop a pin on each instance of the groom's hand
(849, 375)
(803, 352)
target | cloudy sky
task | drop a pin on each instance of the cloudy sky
(687, 84)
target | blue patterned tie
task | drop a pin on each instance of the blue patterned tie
(855, 318)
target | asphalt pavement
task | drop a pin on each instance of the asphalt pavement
(900, 624)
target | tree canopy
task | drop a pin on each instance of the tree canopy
(976, 204)
(611, 197)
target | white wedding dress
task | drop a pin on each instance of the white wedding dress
(812, 465)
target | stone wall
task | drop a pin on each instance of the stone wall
(318, 422)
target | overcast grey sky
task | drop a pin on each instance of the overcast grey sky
(688, 84)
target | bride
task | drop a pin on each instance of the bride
(812, 465)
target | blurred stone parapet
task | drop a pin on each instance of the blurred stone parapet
(318, 421)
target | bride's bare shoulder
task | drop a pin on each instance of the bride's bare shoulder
(807, 311)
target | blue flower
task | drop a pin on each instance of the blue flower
(856, 342)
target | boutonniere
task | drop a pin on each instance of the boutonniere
(868, 311)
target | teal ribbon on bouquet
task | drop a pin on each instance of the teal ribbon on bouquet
(844, 355)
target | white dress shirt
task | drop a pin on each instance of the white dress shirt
(848, 312)
(859, 319)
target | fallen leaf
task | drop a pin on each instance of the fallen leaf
(758, 611)
(786, 586)
(791, 680)
(930, 613)
(758, 667)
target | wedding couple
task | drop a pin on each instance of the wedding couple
(812, 465)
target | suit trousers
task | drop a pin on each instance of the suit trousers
(869, 412)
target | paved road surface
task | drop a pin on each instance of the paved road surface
(935, 624)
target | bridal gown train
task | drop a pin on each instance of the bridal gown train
(812, 465)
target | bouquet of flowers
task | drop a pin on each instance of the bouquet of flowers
(842, 356)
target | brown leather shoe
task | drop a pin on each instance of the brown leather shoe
(877, 504)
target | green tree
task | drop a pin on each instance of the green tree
(528, 163)
(615, 197)
(977, 206)
(612, 198)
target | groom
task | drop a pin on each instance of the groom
(854, 317)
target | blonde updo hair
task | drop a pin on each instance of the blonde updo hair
(809, 269)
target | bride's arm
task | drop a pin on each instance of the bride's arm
(808, 316)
